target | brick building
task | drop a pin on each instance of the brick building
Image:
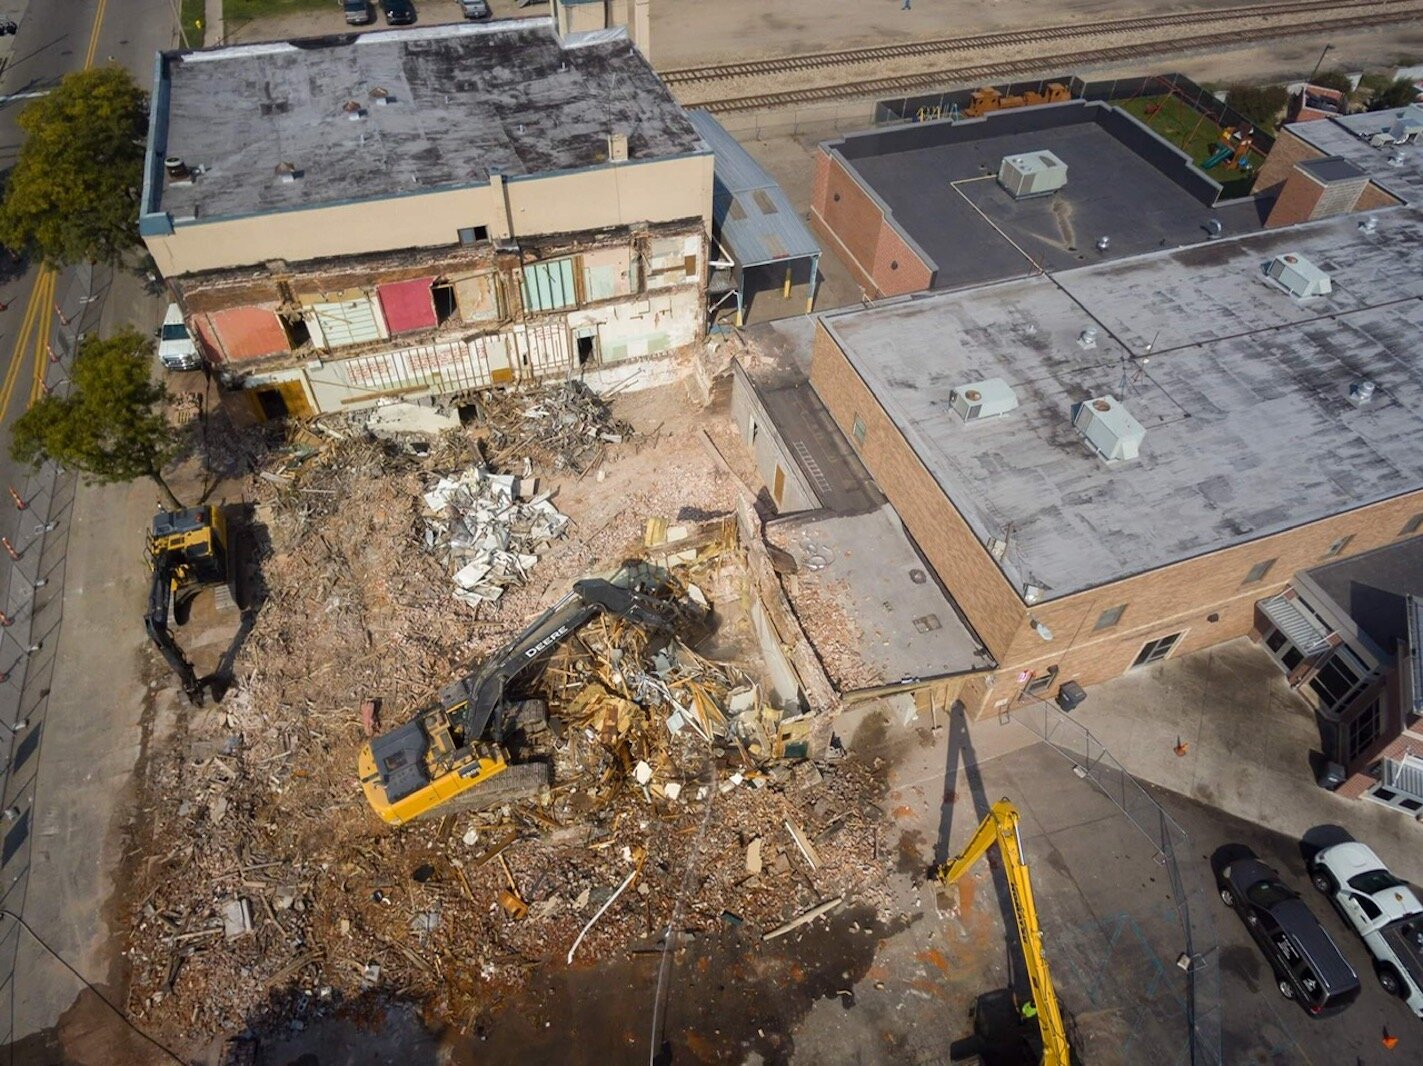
(917, 207)
(1176, 434)
(422, 213)
(1347, 634)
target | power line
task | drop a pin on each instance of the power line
(5, 913)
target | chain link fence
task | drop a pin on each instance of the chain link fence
(1191, 891)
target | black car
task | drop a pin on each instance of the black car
(1307, 963)
(398, 12)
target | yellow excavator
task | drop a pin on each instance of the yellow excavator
(1002, 1030)
(188, 550)
(453, 756)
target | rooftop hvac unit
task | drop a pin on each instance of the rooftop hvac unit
(1298, 276)
(1109, 428)
(1032, 174)
(983, 399)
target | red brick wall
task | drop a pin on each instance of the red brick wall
(1297, 198)
(1176, 598)
(843, 213)
(898, 269)
(1280, 163)
(1374, 198)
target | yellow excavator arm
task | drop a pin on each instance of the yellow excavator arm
(1001, 827)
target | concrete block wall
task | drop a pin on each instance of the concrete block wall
(1206, 599)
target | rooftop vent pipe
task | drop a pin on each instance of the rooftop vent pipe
(177, 169)
(1361, 392)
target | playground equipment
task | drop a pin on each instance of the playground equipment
(982, 101)
(1235, 147)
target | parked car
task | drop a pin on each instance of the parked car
(475, 9)
(176, 350)
(1308, 965)
(1384, 911)
(398, 12)
(358, 12)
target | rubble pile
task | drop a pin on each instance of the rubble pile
(489, 529)
(563, 426)
(271, 894)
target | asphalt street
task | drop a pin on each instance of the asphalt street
(59, 858)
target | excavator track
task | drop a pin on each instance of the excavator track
(521, 781)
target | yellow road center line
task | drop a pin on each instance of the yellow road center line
(17, 354)
(42, 341)
(94, 34)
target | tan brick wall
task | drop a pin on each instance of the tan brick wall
(1171, 599)
(1296, 202)
(1374, 198)
(963, 564)
(1281, 161)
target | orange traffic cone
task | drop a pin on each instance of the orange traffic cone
(1181, 747)
(1389, 1040)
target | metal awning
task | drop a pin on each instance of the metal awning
(1304, 631)
(755, 218)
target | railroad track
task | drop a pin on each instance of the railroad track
(1391, 11)
(988, 73)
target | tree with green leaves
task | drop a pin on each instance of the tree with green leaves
(1394, 94)
(1333, 79)
(1261, 104)
(72, 195)
(111, 424)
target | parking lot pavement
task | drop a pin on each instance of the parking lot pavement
(1248, 739)
(1108, 914)
(1260, 1026)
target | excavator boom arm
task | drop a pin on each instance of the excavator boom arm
(1001, 827)
(155, 621)
(483, 691)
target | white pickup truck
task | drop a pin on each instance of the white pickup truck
(1383, 910)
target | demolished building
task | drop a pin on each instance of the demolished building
(425, 213)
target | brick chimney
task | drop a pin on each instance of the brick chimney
(1317, 188)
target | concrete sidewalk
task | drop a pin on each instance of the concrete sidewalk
(1248, 739)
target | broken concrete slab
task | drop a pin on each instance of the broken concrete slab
(399, 419)
(236, 918)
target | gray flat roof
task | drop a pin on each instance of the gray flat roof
(1370, 588)
(1243, 399)
(754, 216)
(1348, 136)
(909, 628)
(946, 198)
(463, 100)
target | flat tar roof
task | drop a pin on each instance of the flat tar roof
(946, 198)
(1244, 398)
(1397, 168)
(1371, 587)
(462, 100)
(866, 562)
